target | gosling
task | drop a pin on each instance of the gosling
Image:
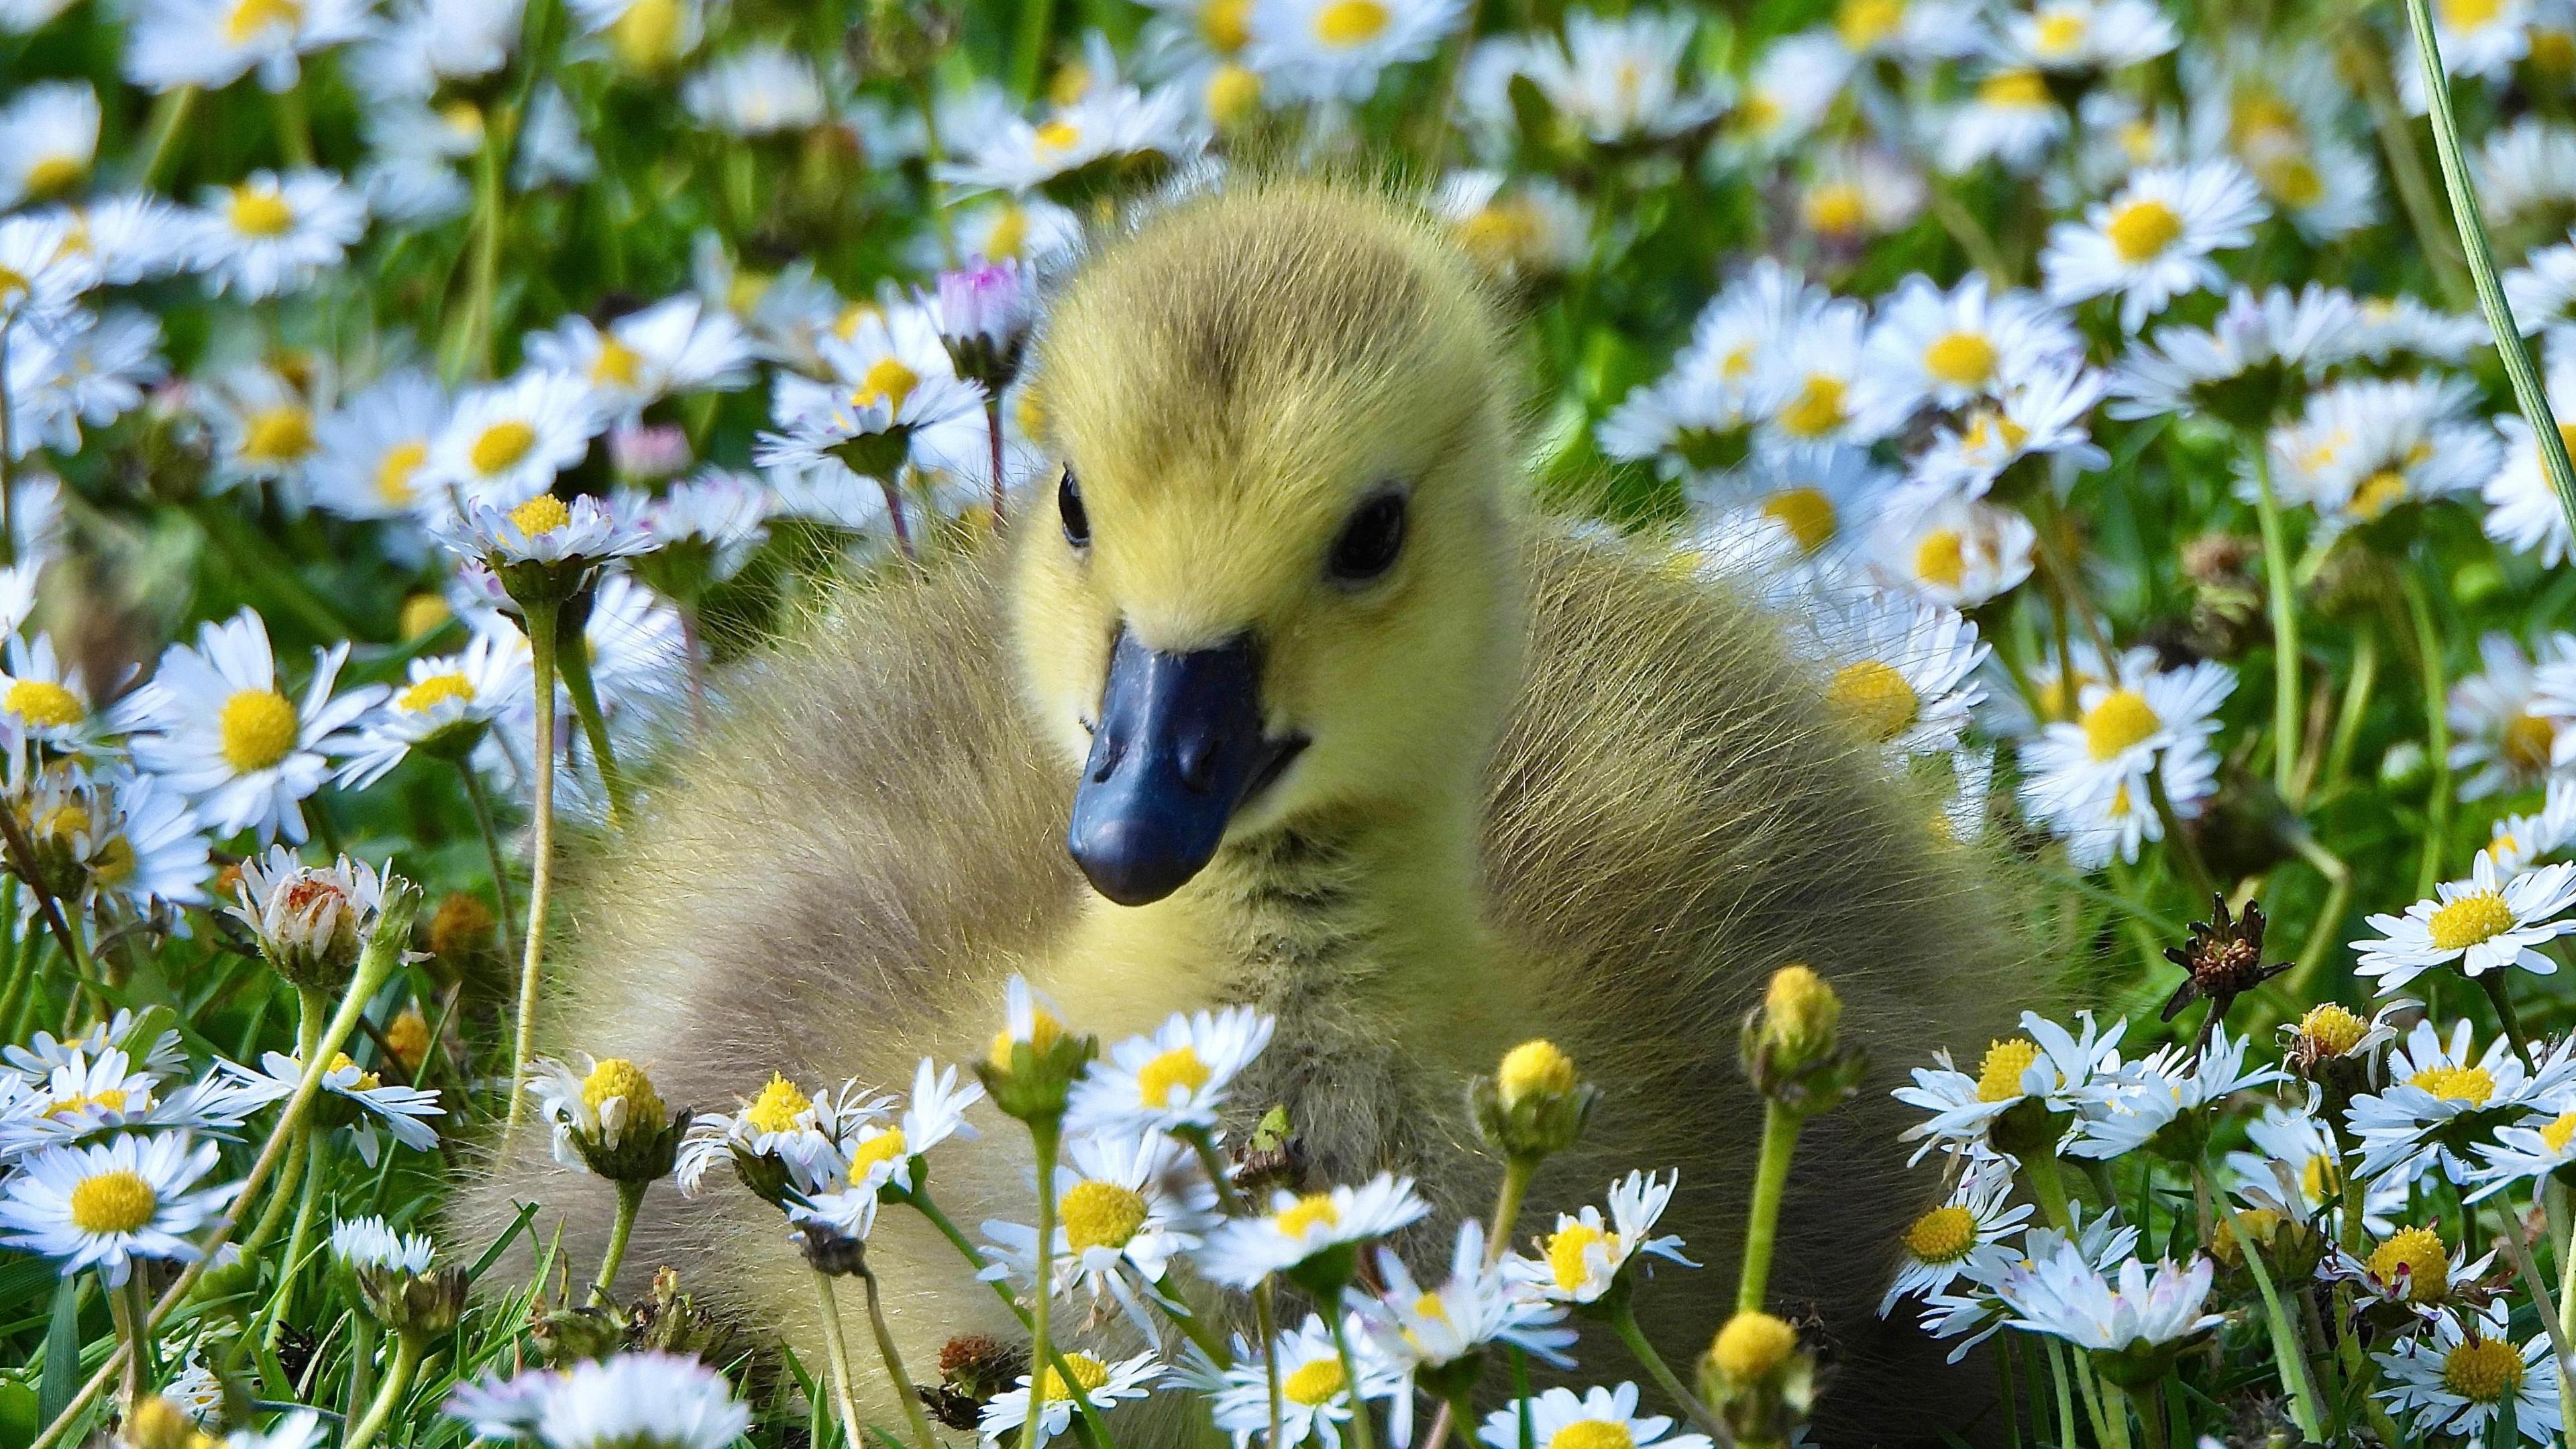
(1285, 694)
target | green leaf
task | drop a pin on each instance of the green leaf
(62, 1352)
(19, 1416)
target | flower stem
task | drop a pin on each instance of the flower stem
(478, 795)
(2065, 1396)
(2501, 998)
(2527, 391)
(923, 1438)
(2516, 1249)
(932, 153)
(1049, 1134)
(398, 1376)
(993, 433)
(1517, 1171)
(540, 623)
(1265, 1320)
(2289, 1357)
(1623, 1321)
(630, 1196)
(839, 1352)
(294, 127)
(169, 120)
(2115, 1417)
(2049, 1187)
(1770, 1181)
(2285, 623)
(132, 1310)
(1363, 1431)
(572, 656)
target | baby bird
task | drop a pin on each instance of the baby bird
(1284, 694)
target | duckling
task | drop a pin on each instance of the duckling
(1285, 694)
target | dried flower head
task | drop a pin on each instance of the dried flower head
(2222, 961)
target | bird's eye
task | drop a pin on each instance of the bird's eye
(1068, 505)
(1370, 541)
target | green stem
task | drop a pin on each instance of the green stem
(838, 1350)
(1028, 53)
(478, 795)
(932, 154)
(294, 127)
(2285, 624)
(540, 623)
(630, 1196)
(1094, 1434)
(2289, 1357)
(2562, 1234)
(1770, 1182)
(2527, 391)
(1517, 1172)
(1623, 1321)
(2186, 851)
(168, 122)
(2501, 998)
(308, 1203)
(2065, 1396)
(2356, 704)
(133, 1312)
(2362, 57)
(2437, 731)
(1265, 1321)
(911, 1397)
(398, 1376)
(1363, 1430)
(2046, 1184)
(2115, 1417)
(572, 657)
(2520, 1252)
(468, 339)
(1049, 1135)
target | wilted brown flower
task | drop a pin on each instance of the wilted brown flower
(2222, 961)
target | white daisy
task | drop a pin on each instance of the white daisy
(2252, 357)
(83, 367)
(676, 345)
(640, 1401)
(272, 234)
(105, 1205)
(403, 1111)
(1336, 49)
(1126, 1206)
(2139, 719)
(2507, 732)
(49, 137)
(1829, 498)
(2295, 1162)
(1852, 195)
(263, 427)
(2525, 169)
(1113, 131)
(1626, 80)
(1171, 1081)
(1803, 391)
(1938, 1245)
(2041, 414)
(1243, 1251)
(1597, 1416)
(371, 452)
(2046, 1064)
(212, 43)
(2523, 509)
(2065, 1296)
(1430, 1329)
(41, 272)
(505, 442)
(137, 839)
(1901, 672)
(1521, 228)
(2135, 1102)
(1795, 82)
(804, 1135)
(2363, 447)
(759, 90)
(423, 44)
(216, 725)
(1947, 349)
(2009, 118)
(2457, 1379)
(648, 37)
(1315, 1398)
(1906, 30)
(1103, 1387)
(45, 702)
(1955, 551)
(2152, 241)
(2519, 842)
(1976, 1314)
(2440, 1098)
(370, 1243)
(2088, 35)
(2485, 923)
(443, 709)
(1585, 1254)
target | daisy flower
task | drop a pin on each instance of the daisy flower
(1907, 30)
(1597, 1416)
(2046, 1064)
(1432, 1329)
(2482, 924)
(2525, 171)
(212, 43)
(1947, 349)
(1103, 1385)
(801, 1136)
(1315, 1389)
(139, 841)
(505, 442)
(105, 1205)
(639, 1401)
(2457, 1379)
(2009, 118)
(1958, 552)
(2138, 719)
(1825, 497)
(876, 1158)
(2295, 1162)
(543, 531)
(263, 427)
(273, 234)
(1794, 84)
(1939, 1244)
(2039, 414)
(1111, 133)
(2364, 447)
(41, 272)
(648, 37)
(1126, 1206)
(2440, 1099)
(2088, 35)
(404, 1111)
(370, 453)
(2246, 362)
(424, 44)
(2152, 241)
(1901, 672)
(1519, 228)
(215, 724)
(2508, 733)
(1174, 1080)
(443, 709)
(676, 345)
(1979, 1312)
(1301, 1229)
(2523, 511)
(2065, 1296)
(759, 90)
(2135, 1102)
(1627, 80)
(2519, 842)
(1586, 1253)
(96, 1093)
(42, 701)
(1335, 49)
(1803, 390)
(1853, 195)
(603, 1104)
(49, 137)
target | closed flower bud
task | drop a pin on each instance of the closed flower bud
(667, 1320)
(158, 1423)
(1534, 1104)
(1758, 1379)
(310, 921)
(1792, 1043)
(1033, 1062)
(984, 315)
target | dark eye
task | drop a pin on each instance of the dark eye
(1068, 505)
(1370, 541)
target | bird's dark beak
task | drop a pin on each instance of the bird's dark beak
(1178, 749)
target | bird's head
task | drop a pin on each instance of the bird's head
(1275, 579)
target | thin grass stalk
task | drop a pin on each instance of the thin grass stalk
(479, 796)
(2290, 1358)
(2284, 609)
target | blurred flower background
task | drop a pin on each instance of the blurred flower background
(409, 407)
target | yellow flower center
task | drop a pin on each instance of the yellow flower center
(2060, 32)
(647, 37)
(501, 445)
(1941, 557)
(2561, 1128)
(257, 728)
(2378, 493)
(1044, 1032)
(1225, 25)
(777, 1107)
(1232, 94)
(1592, 1434)
(1864, 23)
(278, 435)
(1178, 1068)
(1875, 698)
(2120, 723)
(2472, 1085)
(119, 1201)
(617, 365)
(110, 1100)
(407, 1037)
(2468, 920)
(613, 1077)
(1534, 1068)
(63, 822)
(886, 1146)
(1315, 1382)
(1567, 1248)
(2330, 1030)
(395, 470)
(2528, 742)
(2427, 1263)
(1752, 1347)
(1999, 1075)
(1942, 1235)
(1817, 409)
(2014, 90)
(888, 381)
(54, 175)
(1058, 135)
(1350, 22)
(1306, 1213)
(2553, 51)
(2469, 14)
(256, 212)
(421, 613)
(2318, 1180)
(430, 693)
(1098, 1214)
(43, 704)
(1837, 208)
(2482, 1370)
(2291, 178)
(2141, 230)
(1962, 359)
(1088, 1372)
(250, 17)
(1807, 513)
(542, 514)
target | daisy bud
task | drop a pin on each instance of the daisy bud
(158, 1423)
(395, 1279)
(462, 943)
(1031, 1069)
(972, 1371)
(899, 40)
(2286, 1243)
(1758, 1379)
(1534, 1104)
(667, 1320)
(1272, 1159)
(407, 1037)
(1791, 1045)
(2338, 1050)
(571, 1335)
(984, 317)
(310, 921)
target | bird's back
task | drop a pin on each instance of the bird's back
(835, 881)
